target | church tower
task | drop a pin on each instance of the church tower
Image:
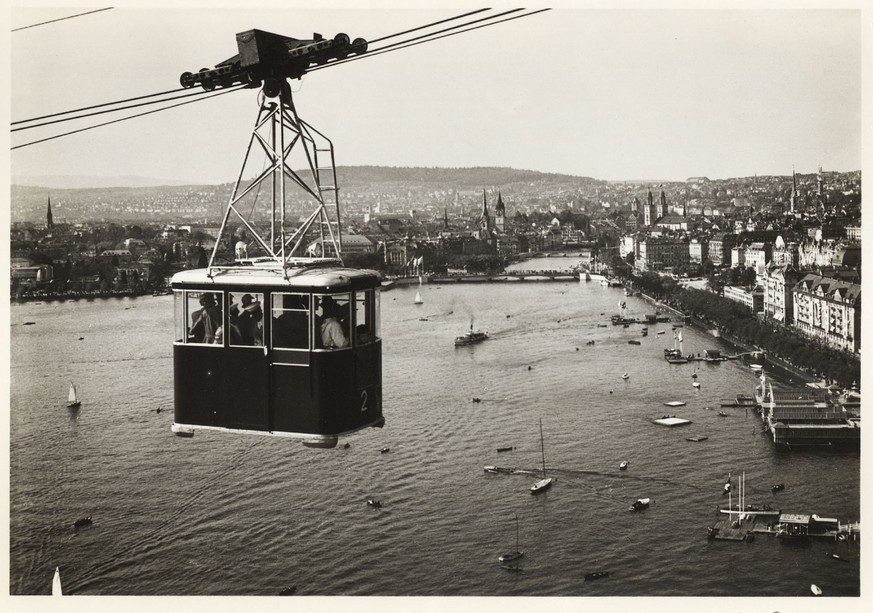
(649, 210)
(49, 220)
(662, 211)
(793, 200)
(484, 220)
(500, 212)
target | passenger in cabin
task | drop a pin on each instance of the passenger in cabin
(249, 322)
(206, 321)
(363, 335)
(291, 322)
(332, 334)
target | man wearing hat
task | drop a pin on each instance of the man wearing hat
(249, 321)
(206, 321)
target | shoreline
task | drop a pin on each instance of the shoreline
(783, 371)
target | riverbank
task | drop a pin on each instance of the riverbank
(783, 370)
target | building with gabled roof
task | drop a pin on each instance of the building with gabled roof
(829, 310)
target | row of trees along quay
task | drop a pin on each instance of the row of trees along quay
(739, 321)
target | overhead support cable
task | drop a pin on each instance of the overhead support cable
(121, 108)
(97, 106)
(106, 123)
(430, 25)
(33, 25)
(425, 38)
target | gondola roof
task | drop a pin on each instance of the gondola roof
(324, 275)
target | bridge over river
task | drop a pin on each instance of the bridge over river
(508, 277)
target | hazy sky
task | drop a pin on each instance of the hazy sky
(612, 94)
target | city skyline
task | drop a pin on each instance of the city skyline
(621, 94)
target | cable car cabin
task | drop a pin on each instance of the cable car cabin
(264, 349)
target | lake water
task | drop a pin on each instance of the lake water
(224, 514)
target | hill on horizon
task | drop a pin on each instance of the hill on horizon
(484, 176)
(92, 181)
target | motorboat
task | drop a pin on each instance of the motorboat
(623, 465)
(498, 469)
(600, 574)
(815, 589)
(471, 337)
(660, 332)
(633, 342)
(696, 385)
(376, 504)
(640, 504)
(778, 487)
(625, 376)
(83, 522)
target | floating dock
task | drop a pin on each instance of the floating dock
(740, 526)
(670, 422)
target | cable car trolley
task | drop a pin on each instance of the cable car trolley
(275, 336)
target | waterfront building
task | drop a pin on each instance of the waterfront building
(629, 243)
(720, 246)
(807, 416)
(853, 232)
(752, 298)
(829, 310)
(779, 281)
(661, 253)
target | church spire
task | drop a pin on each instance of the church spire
(49, 220)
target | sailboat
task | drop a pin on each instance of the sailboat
(515, 555)
(56, 583)
(418, 299)
(73, 401)
(546, 482)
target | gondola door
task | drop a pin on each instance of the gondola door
(247, 377)
(292, 408)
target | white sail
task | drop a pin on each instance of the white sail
(73, 396)
(418, 299)
(56, 583)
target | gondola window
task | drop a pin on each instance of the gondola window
(245, 319)
(332, 321)
(290, 321)
(366, 321)
(204, 317)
